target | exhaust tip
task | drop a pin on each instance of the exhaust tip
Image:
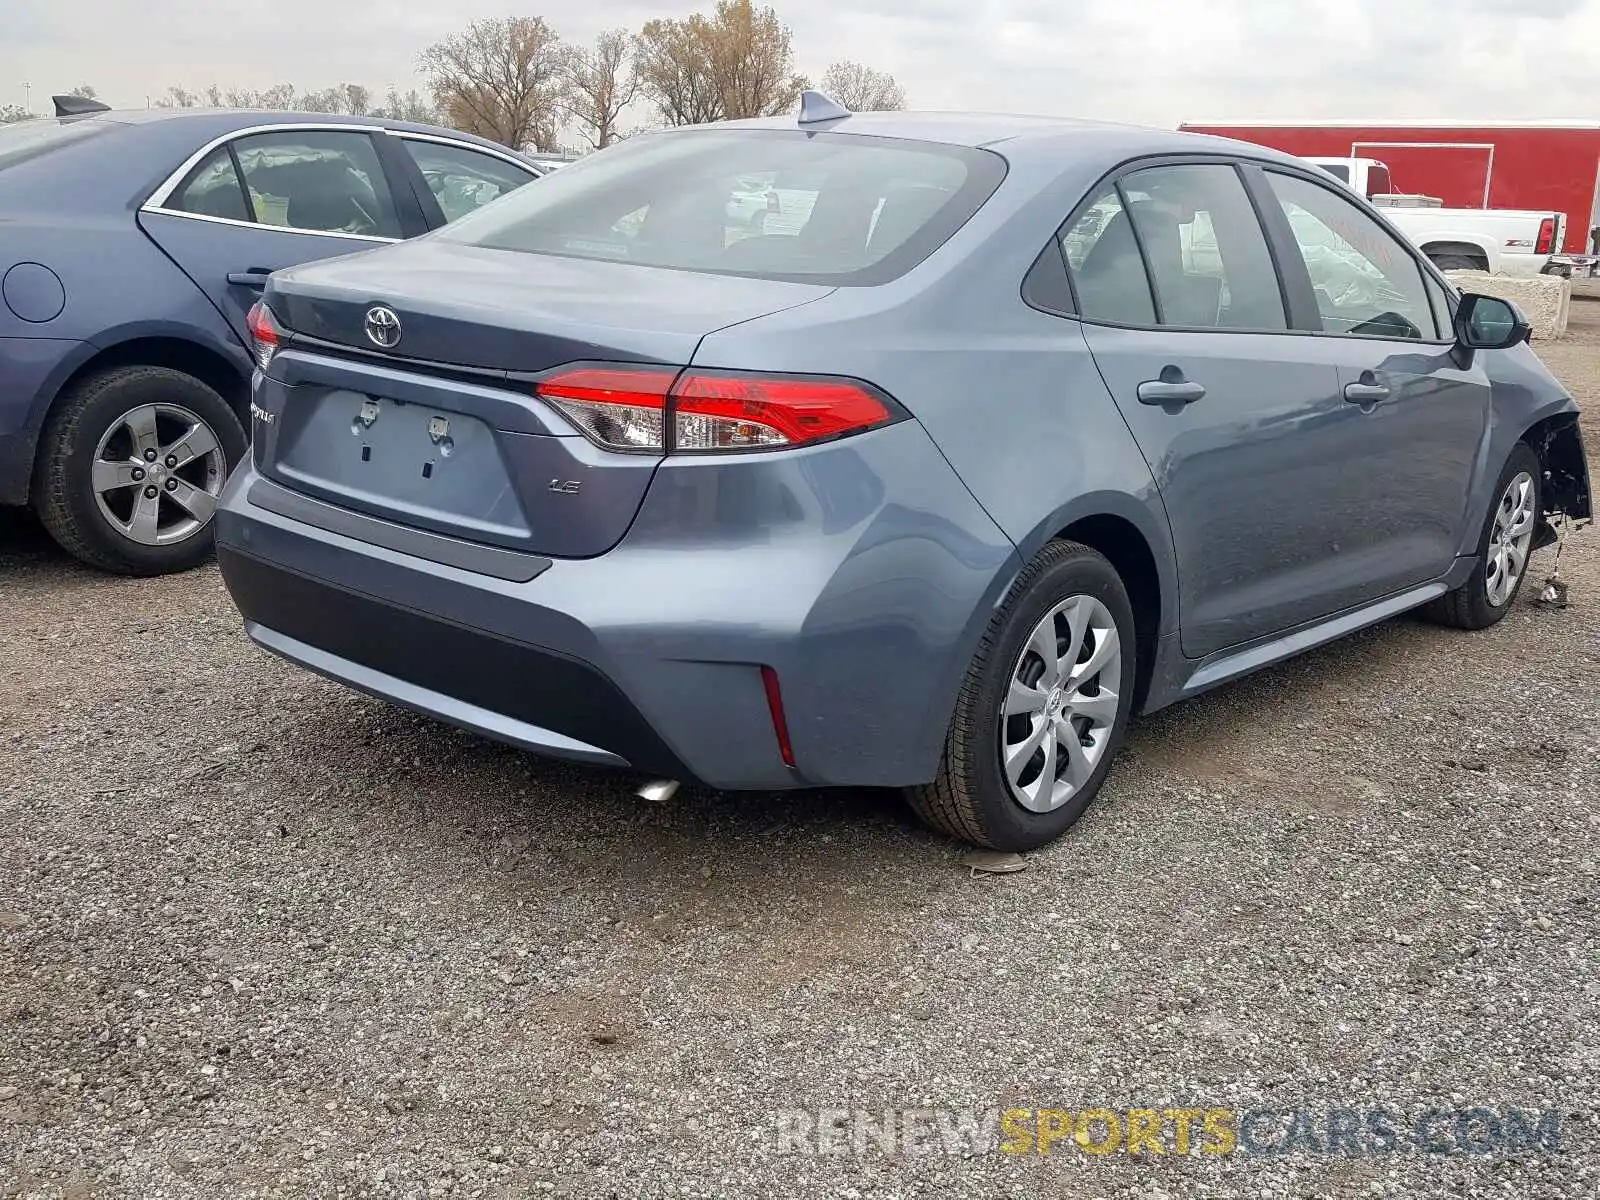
(658, 791)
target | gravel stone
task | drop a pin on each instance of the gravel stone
(264, 937)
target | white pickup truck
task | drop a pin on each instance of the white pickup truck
(1498, 240)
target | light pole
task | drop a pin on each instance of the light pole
(27, 98)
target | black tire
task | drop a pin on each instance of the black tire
(1469, 606)
(971, 799)
(1457, 262)
(63, 490)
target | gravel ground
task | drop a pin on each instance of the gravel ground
(260, 936)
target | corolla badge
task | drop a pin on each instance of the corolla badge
(383, 327)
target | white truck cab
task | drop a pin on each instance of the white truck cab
(1497, 240)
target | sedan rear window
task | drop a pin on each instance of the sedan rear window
(23, 140)
(833, 208)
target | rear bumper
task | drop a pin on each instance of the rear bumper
(862, 572)
(512, 692)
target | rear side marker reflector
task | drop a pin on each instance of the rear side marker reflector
(780, 723)
(696, 412)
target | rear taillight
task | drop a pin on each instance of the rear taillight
(750, 412)
(642, 408)
(1547, 236)
(266, 335)
(620, 408)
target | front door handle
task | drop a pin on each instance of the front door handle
(1367, 391)
(255, 277)
(1170, 391)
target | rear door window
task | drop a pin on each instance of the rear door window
(463, 180)
(835, 209)
(1106, 267)
(1205, 248)
(318, 181)
(213, 189)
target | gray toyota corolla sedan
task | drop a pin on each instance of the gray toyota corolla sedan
(989, 433)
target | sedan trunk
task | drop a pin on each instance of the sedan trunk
(441, 428)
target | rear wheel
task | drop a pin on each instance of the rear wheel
(1043, 708)
(1503, 549)
(1458, 262)
(131, 464)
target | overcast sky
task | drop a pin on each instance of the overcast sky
(1146, 61)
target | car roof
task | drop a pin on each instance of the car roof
(1022, 135)
(214, 122)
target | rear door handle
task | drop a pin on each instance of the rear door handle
(255, 277)
(1366, 392)
(1164, 391)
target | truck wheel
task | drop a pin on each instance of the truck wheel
(1043, 708)
(130, 466)
(1457, 262)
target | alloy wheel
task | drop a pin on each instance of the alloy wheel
(157, 473)
(1510, 540)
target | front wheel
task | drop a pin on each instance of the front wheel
(131, 464)
(1503, 549)
(1043, 708)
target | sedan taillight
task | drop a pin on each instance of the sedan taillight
(659, 410)
(266, 335)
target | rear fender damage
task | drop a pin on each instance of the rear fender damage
(1566, 492)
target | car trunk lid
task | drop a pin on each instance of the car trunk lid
(504, 310)
(441, 429)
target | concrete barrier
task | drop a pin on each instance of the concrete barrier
(1544, 299)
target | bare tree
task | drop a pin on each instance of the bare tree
(410, 107)
(357, 99)
(601, 86)
(178, 97)
(352, 98)
(83, 91)
(327, 100)
(738, 62)
(503, 79)
(10, 114)
(862, 89)
(674, 65)
(754, 61)
(280, 96)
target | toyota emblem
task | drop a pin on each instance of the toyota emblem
(383, 327)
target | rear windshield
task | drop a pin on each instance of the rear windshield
(23, 140)
(816, 208)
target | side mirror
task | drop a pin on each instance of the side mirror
(1490, 323)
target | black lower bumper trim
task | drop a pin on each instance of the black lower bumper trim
(527, 683)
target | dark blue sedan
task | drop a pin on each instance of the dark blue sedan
(132, 247)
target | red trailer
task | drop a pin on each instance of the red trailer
(1545, 165)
